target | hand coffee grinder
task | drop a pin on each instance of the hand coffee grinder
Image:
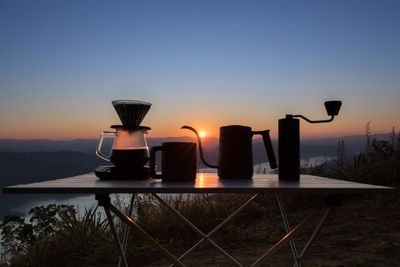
(289, 141)
(129, 152)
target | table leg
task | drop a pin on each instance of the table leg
(332, 201)
(316, 231)
(286, 238)
(116, 238)
(135, 226)
(207, 237)
(287, 228)
(104, 200)
(126, 228)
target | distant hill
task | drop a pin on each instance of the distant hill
(80, 145)
(46, 145)
(20, 168)
(25, 167)
(353, 143)
(316, 145)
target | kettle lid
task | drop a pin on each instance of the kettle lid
(236, 127)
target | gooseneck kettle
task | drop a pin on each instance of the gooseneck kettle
(236, 151)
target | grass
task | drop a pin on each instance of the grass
(365, 224)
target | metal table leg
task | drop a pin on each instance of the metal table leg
(126, 228)
(135, 226)
(332, 201)
(286, 238)
(316, 231)
(287, 228)
(103, 199)
(207, 237)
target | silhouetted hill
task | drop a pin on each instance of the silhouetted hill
(46, 145)
(80, 145)
(352, 144)
(21, 168)
(309, 146)
(28, 167)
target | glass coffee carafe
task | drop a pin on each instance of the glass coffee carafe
(129, 153)
(129, 149)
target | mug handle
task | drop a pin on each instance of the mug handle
(153, 151)
(98, 149)
(268, 148)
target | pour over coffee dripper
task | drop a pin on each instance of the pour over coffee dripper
(131, 112)
(129, 153)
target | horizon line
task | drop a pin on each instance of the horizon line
(183, 136)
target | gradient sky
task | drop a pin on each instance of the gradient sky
(200, 63)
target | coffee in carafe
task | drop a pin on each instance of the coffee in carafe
(133, 158)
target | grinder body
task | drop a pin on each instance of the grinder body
(289, 149)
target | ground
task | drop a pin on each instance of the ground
(364, 231)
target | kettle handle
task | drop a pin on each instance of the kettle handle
(268, 148)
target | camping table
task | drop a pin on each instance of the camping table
(205, 183)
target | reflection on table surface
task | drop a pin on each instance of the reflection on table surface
(204, 183)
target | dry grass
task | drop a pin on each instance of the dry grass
(362, 232)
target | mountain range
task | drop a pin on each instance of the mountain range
(354, 143)
(26, 161)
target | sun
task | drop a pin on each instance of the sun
(202, 134)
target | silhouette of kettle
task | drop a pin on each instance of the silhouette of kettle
(236, 151)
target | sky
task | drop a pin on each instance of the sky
(201, 63)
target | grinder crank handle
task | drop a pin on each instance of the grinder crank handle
(268, 148)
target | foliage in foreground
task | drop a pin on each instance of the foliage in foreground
(378, 163)
(55, 236)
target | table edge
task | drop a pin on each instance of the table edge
(66, 190)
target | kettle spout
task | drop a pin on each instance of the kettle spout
(200, 146)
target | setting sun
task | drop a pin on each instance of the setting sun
(202, 134)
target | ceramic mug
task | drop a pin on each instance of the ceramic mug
(178, 161)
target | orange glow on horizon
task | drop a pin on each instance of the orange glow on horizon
(84, 128)
(274, 135)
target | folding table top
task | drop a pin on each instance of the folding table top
(205, 183)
